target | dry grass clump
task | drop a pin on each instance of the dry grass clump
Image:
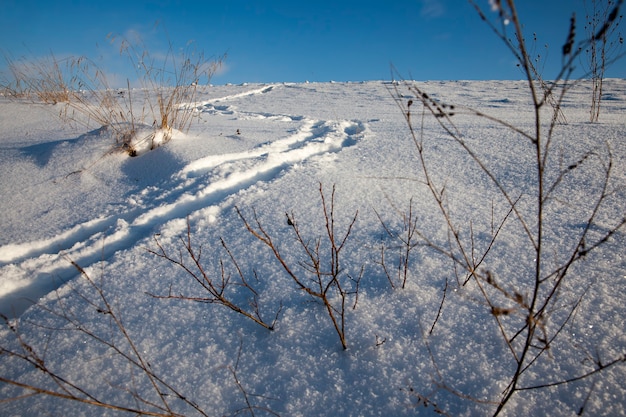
(44, 79)
(141, 118)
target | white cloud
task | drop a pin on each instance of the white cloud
(432, 8)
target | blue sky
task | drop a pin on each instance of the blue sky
(296, 41)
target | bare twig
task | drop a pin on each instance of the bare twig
(126, 350)
(534, 304)
(216, 289)
(322, 273)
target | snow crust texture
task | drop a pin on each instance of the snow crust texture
(264, 150)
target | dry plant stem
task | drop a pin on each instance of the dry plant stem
(538, 303)
(602, 48)
(536, 315)
(72, 397)
(324, 271)
(217, 289)
(174, 80)
(87, 97)
(44, 79)
(250, 407)
(135, 358)
(424, 401)
(537, 307)
(599, 367)
(129, 353)
(531, 319)
(456, 250)
(407, 243)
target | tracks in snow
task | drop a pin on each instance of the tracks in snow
(33, 269)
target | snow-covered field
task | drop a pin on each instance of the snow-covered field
(266, 149)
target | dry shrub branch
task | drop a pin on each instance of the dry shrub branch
(161, 399)
(250, 407)
(530, 313)
(219, 291)
(321, 275)
(407, 241)
(602, 28)
(143, 391)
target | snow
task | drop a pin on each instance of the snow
(266, 149)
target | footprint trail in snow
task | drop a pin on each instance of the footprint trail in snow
(33, 269)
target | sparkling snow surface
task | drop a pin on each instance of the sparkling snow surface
(265, 149)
